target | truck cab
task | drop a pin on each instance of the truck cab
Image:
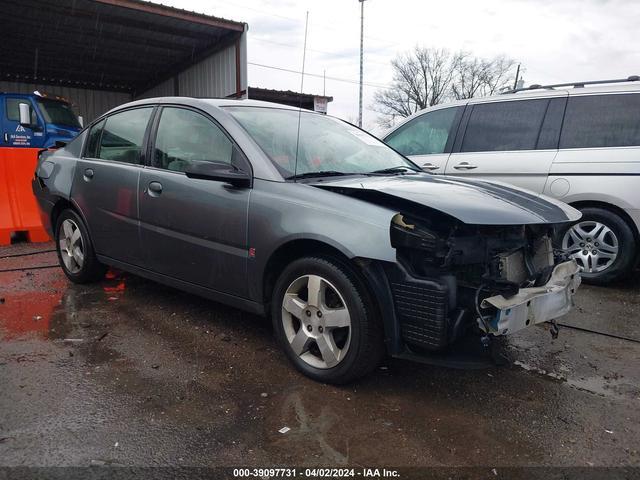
(44, 121)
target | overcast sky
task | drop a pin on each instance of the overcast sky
(556, 40)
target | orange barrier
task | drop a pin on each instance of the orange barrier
(18, 208)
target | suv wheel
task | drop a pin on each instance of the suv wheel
(603, 245)
(325, 321)
(75, 251)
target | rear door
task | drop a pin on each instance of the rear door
(193, 229)
(511, 141)
(105, 185)
(427, 139)
(599, 156)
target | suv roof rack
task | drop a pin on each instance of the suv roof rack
(632, 78)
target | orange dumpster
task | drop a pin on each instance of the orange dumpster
(18, 208)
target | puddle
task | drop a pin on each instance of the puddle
(45, 304)
(29, 312)
(313, 428)
(539, 371)
(605, 387)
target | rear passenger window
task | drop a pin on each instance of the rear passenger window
(426, 134)
(94, 140)
(500, 126)
(186, 136)
(123, 135)
(601, 121)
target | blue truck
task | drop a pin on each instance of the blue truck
(36, 120)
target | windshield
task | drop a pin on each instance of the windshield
(326, 145)
(57, 112)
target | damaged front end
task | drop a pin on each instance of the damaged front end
(453, 280)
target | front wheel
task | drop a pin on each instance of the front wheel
(325, 320)
(602, 244)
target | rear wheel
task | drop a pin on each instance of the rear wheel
(75, 251)
(602, 243)
(325, 321)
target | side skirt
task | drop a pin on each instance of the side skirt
(231, 300)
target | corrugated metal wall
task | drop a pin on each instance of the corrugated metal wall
(88, 103)
(214, 76)
(164, 89)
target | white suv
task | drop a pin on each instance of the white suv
(576, 142)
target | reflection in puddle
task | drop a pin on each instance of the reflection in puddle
(46, 304)
(114, 291)
(29, 312)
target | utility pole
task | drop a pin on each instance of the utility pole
(515, 82)
(361, 53)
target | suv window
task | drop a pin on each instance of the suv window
(501, 126)
(123, 135)
(601, 121)
(13, 110)
(184, 135)
(426, 134)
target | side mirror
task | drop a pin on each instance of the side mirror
(81, 120)
(222, 172)
(25, 114)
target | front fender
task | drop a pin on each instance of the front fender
(282, 212)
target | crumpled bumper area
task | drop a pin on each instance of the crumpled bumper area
(536, 304)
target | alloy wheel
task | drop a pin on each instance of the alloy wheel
(316, 321)
(71, 246)
(592, 244)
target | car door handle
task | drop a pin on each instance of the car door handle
(430, 166)
(465, 166)
(88, 174)
(155, 189)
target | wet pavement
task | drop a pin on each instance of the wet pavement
(129, 372)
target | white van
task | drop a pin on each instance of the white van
(576, 142)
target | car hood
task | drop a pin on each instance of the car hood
(470, 201)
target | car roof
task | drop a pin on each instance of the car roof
(214, 102)
(631, 87)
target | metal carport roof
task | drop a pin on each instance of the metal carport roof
(116, 45)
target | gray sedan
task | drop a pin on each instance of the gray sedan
(349, 248)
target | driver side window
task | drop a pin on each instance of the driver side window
(426, 134)
(184, 136)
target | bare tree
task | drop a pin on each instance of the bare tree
(470, 77)
(420, 79)
(478, 77)
(427, 77)
(501, 75)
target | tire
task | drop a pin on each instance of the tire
(75, 250)
(314, 337)
(612, 237)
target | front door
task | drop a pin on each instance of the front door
(511, 141)
(16, 135)
(193, 229)
(105, 185)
